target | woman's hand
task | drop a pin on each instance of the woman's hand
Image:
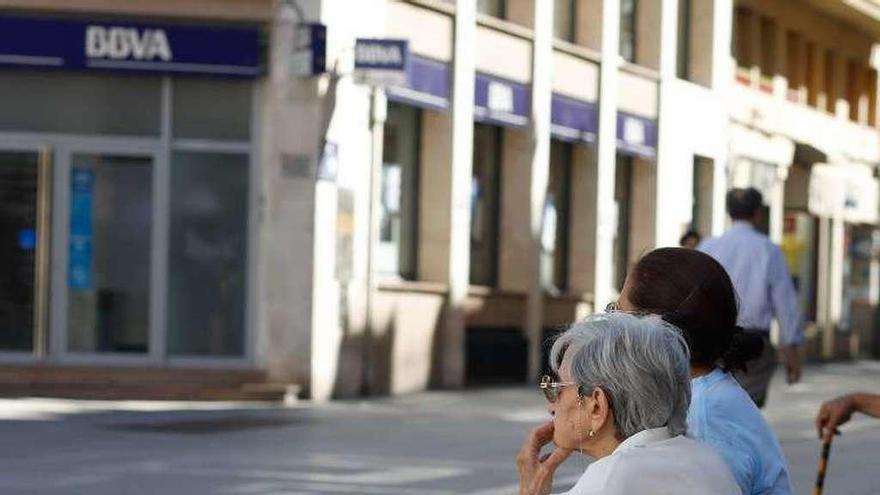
(833, 414)
(536, 473)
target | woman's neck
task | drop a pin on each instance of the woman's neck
(699, 370)
(602, 445)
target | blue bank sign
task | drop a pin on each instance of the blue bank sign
(381, 62)
(122, 46)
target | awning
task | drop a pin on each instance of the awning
(846, 191)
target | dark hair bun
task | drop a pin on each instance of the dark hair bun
(743, 347)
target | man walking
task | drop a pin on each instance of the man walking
(764, 288)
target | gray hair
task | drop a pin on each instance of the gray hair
(641, 363)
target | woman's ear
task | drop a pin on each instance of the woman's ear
(598, 409)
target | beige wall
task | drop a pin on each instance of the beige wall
(576, 77)
(503, 55)
(435, 184)
(582, 225)
(521, 12)
(638, 94)
(404, 342)
(429, 32)
(589, 24)
(515, 238)
(643, 204)
(648, 33)
(701, 35)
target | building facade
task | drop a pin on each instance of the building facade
(181, 194)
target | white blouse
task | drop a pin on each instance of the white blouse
(652, 462)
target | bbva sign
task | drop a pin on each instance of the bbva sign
(124, 43)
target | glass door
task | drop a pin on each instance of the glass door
(109, 228)
(25, 186)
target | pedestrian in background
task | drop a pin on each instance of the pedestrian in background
(764, 288)
(692, 291)
(622, 400)
(838, 411)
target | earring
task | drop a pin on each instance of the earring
(592, 433)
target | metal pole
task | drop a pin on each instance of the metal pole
(377, 123)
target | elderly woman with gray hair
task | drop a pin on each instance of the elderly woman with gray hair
(622, 398)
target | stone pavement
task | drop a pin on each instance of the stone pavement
(434, 443)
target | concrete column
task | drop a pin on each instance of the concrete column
(459, 223)
(822, 287)
(835, 293)
(830, 280)
(539, 135)
(722, 77)
(671, 166)
(777, 205)
(288, 187)
(606, 153)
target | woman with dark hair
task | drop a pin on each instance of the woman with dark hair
(692, 291)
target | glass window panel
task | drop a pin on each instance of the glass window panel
(628, 30)
(109, 254)
(494, 8)
(554, 236)
(210, 108)
(79, 103)
(563, 19)
(683, 58)
(208, 254)
(399, 197)
(485, 212)
(18, 227)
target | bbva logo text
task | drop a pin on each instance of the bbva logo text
(121, 43)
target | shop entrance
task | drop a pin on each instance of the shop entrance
(79, 245)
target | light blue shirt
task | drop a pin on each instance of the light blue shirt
(760, 276)
(723, 416)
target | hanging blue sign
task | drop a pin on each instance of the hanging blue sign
(132, 47)
(381, 62)
(82, 185)
(309, 56)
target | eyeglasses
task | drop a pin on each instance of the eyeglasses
(612, 307)
(552, 388)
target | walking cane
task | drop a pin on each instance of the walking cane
(823, 464)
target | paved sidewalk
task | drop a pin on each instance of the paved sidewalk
(434, 443)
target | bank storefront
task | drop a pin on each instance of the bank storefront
(127, 190)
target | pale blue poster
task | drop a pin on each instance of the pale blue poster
(82, 185)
